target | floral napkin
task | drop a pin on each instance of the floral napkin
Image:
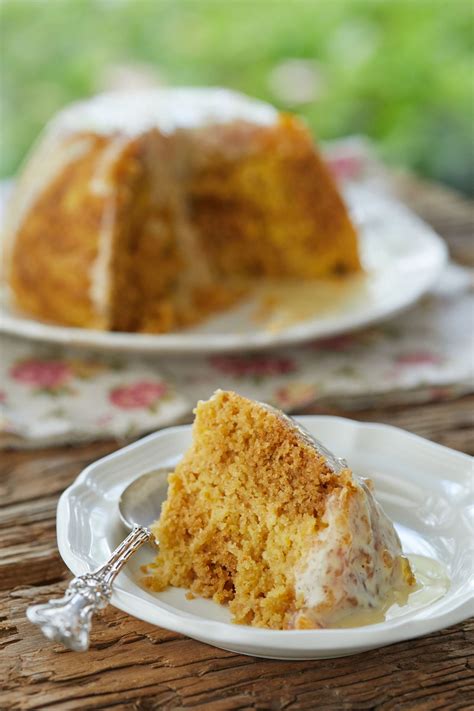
(52, 395)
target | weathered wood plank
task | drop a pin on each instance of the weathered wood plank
(137, 665)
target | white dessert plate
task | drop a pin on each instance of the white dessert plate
(402, 257)
(424, 487)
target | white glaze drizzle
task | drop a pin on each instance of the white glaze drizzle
(167, 109)
(100, 184)
(99, 289)
(128, 114)
(355, 559)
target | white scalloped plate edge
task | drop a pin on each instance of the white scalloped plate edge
(125, 464)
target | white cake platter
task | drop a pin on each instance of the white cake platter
(402, 259)
(425, 488)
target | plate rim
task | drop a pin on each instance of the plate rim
(186, 342)
(224, 634)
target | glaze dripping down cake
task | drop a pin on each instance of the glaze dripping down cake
(258, 518)
(149, 211)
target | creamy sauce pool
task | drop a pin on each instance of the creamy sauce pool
(284, 303)
(432, 582)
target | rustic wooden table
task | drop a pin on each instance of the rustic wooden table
(132, 665)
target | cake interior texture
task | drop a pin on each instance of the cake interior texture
(256, 518)
(151, 226)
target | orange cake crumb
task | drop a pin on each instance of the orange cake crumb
(248, 507)
(151, 211)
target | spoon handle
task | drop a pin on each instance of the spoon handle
(68, 619)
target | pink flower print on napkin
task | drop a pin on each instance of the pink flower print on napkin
(142, 395)
(346, 167)
(335, 343)
(256, 366)
(45, 376)
(418, 358)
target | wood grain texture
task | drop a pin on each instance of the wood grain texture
(133, 665)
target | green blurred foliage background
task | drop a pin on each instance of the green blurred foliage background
(398, 71)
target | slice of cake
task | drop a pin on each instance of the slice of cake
(261, 517)
(148, 211)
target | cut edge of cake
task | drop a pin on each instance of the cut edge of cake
(256, 518)
(80, 222)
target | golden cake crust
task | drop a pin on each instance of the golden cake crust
(228, 534)
(256, 518)
(153, 231)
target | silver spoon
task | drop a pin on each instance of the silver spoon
(68, 619)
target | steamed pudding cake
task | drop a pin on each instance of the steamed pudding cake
(257, 517)
(150, 211)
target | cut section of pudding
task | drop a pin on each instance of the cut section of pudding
(260, 517)
(148, 211)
